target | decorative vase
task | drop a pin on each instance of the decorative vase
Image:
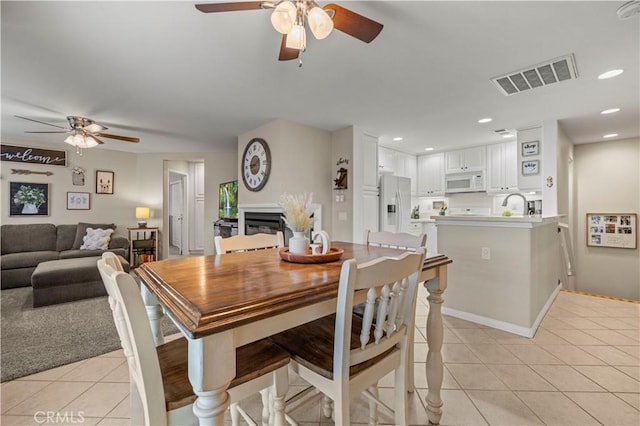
(29, 208)
(298, 244)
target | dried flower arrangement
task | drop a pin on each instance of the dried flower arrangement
(297, 211)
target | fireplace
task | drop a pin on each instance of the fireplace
(267, 218)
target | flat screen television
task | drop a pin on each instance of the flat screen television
(228, 200)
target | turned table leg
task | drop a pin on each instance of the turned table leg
(211, 369)
(435, 367)
(155, 314)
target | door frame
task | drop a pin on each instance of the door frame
(185, 211)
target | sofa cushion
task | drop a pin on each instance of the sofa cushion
(71, 254)
(81, 231)
(66, 235)
(27, 259)
(28, 237)
(96, 239)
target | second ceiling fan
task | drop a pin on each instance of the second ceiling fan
(290, 18)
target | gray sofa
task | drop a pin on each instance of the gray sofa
(25, 246)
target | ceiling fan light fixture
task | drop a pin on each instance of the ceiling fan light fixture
(297, 38)
(81, 141)
(320, 23)
(283, 17)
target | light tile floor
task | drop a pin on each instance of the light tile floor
(581, 368)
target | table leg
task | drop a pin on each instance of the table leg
(212, 366)
(435, 367)
(155, 314)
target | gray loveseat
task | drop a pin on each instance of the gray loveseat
(25, 246)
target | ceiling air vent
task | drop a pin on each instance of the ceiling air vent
(549, 72)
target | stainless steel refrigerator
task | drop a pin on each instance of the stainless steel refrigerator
(395, 203)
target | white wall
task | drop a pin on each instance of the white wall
(342, 212)
(299, 158)
(118, 208)
(607, 180)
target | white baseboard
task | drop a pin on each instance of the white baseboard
(502, 325)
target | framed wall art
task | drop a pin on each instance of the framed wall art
(78, 201)
(28, 199)
(104, 182)
(530, 167)
(530, 148)
(617, 230)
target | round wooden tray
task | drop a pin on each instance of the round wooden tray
(333, 255)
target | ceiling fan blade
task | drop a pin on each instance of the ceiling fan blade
(97, 140)
(42, 122)
(354, 24)
(121, 138)
(230, 7)
(53, 131)
(287, 54)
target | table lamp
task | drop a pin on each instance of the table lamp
(142, 213)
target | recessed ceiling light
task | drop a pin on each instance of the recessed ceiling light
(485, 120)
(428, 149)
(397, 139)
(610, 135)
(507, 135)
(610, 74)
(610, 111)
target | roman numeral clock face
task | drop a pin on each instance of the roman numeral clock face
(256, 164)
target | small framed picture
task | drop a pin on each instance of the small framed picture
(530, 148)
(104, 182)
(78, 201)
(28, 199)
(531, 167)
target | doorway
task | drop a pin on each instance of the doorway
(178, 207)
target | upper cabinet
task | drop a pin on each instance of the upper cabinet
(431, 175)
(407, 166)
(400, 164)
(386, 160)
(502, 167)
(465, 160)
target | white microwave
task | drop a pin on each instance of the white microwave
(465, 182)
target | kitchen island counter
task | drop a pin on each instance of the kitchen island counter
(505, 271)
(496, 220)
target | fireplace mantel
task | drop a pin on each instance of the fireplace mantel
(275, 208)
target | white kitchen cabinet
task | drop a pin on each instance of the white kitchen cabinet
(407, 166)
(415, 228)
(431, 175)
(431, 230)
(502, 167)
(465, 160)
(386, 160)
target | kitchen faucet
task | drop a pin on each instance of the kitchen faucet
(524, 202)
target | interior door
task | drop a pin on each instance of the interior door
(176, 212)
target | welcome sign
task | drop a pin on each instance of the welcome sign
(23, 154)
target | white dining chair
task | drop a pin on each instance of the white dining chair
(240, 243)
(403, 241)
(161, 393)
(343, 355)
(399, 240)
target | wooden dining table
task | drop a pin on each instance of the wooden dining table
(221, 302)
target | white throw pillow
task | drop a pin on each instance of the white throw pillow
(96, 239)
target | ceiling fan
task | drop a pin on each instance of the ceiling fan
(289, 18)
(85, 132)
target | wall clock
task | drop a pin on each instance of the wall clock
(256, 164)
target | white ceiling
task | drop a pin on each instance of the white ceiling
(182, 80)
